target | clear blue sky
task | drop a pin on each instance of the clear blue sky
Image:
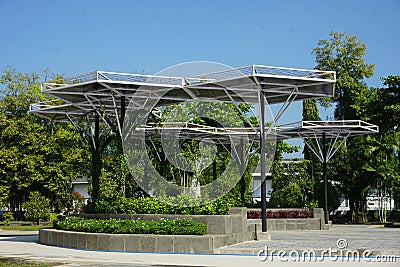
(73, 37)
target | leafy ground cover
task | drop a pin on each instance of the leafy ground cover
(114, 226)
(150, 205)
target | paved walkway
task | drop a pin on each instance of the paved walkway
(360, 237)
(16, 233)
(377, 239)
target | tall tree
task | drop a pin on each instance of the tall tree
(383, 109)
(344, 54)
(292, 185)
(35, 154)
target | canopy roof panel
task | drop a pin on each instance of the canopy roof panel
(302, 129)
(101, 90)
(331, 129)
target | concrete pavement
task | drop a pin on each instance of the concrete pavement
(361, 237)
(375, 238)
(16, 233)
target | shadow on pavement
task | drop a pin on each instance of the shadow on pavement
(21, 238)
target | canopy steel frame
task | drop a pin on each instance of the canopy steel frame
(277, 83)
(321, 131)
(100, 91)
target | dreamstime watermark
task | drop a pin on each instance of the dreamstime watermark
(190, 97)
(340, 253)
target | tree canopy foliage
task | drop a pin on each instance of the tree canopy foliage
(365, 165)
(35, 154)
(344, 54)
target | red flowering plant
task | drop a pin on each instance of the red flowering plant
(77, 202)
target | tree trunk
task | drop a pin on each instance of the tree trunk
(96, 173)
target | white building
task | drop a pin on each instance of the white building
(81, 185)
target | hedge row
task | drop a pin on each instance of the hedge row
(256, 214)
(114, 226)
(150, 205)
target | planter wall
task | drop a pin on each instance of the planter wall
(233, 223)
(291, 224)
(133, 242)
(222, 230)
(287, 224)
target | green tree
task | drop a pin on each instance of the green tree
(35, 154)
(382, 158)
(333, 196)
(344, 54)
(97, 141)
(37, 208)
(17, 91)
(212, 115)
(292, 185)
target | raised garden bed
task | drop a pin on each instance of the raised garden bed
(116, 226)
(222, 230)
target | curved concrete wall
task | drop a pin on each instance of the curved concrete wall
(222, 230)
(131, 242)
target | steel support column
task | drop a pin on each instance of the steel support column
(242, 170)
(324, 157)
(123, 112)
(262, 161)
(96, 130)
(214, 171)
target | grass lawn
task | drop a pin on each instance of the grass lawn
(16, 264)
(23, 227)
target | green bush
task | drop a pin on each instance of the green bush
(333, 197)
(114, 226)
(151, 205)
(37, 208)
(287, 197)
(7, 218)
(53, 218)
(394, 216)
(311, 204)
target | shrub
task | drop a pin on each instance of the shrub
(7, 218)
(37, 208)
(151, 205)
(287, 197)
(114, 226)
(311, 204)
(333, 197)
(394, 216)
(53, 218)
(256, 214)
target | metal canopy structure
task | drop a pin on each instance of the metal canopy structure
(104, 91)
(321, 132)
(109, 93)
(334, 131)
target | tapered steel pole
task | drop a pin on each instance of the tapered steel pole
(242, 169)
(325, 178)
(123, 111)
(262, 162)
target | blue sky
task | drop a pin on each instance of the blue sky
(73, 37)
